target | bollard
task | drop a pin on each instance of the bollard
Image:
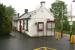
(58, 35)
(70, 36)
(72, 39)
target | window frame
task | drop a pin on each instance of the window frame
(38, 25)
(49, 22)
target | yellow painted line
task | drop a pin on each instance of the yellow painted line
(37, 49)
(51, 48)
(45, 48)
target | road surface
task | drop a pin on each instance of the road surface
(19, 41)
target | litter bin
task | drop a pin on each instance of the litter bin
(57, 35)
(72, 39)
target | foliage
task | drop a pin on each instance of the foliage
(59, 10)
(6, 14)
(10, 11)
(2, 15)
(73, 26)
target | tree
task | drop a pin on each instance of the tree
(59, 9)
(2, 15)
(5, 19)
(73, 27)
(10, 11)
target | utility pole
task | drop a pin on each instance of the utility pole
(62, 23)
(71, 22)
(71, 33)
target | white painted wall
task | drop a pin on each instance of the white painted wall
(39, 17)
(14, 24)
(43, 13)
(33, 28)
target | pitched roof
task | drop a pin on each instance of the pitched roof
(32, 13)
(25, 15)
(37, 10)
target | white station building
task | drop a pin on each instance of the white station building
(39, 22)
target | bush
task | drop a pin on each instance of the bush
(6, 26)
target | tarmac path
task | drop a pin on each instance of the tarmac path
(19, 41)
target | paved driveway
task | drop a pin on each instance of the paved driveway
(22, 42)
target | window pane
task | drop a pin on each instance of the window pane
(25, 24)
(53, 25)
(49, 25)
(40, 26)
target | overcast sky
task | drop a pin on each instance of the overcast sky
(31, 5)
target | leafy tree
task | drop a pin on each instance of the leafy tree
(2, 15)
(73, 26)
(59, 9)
(9, 14)
(9, 11)
(6, 14)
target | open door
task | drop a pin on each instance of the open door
(20, 27)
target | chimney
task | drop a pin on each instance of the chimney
(26, 10)
(18, 14)
(73, 1)
(42, 3)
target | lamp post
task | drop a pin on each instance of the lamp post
(70, 23)
(73, 1)
(71, 19)
(62, 23)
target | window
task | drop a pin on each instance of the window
(23, 24)
(26, 25)
(50, 25)
(40, 26)
(53, 25)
